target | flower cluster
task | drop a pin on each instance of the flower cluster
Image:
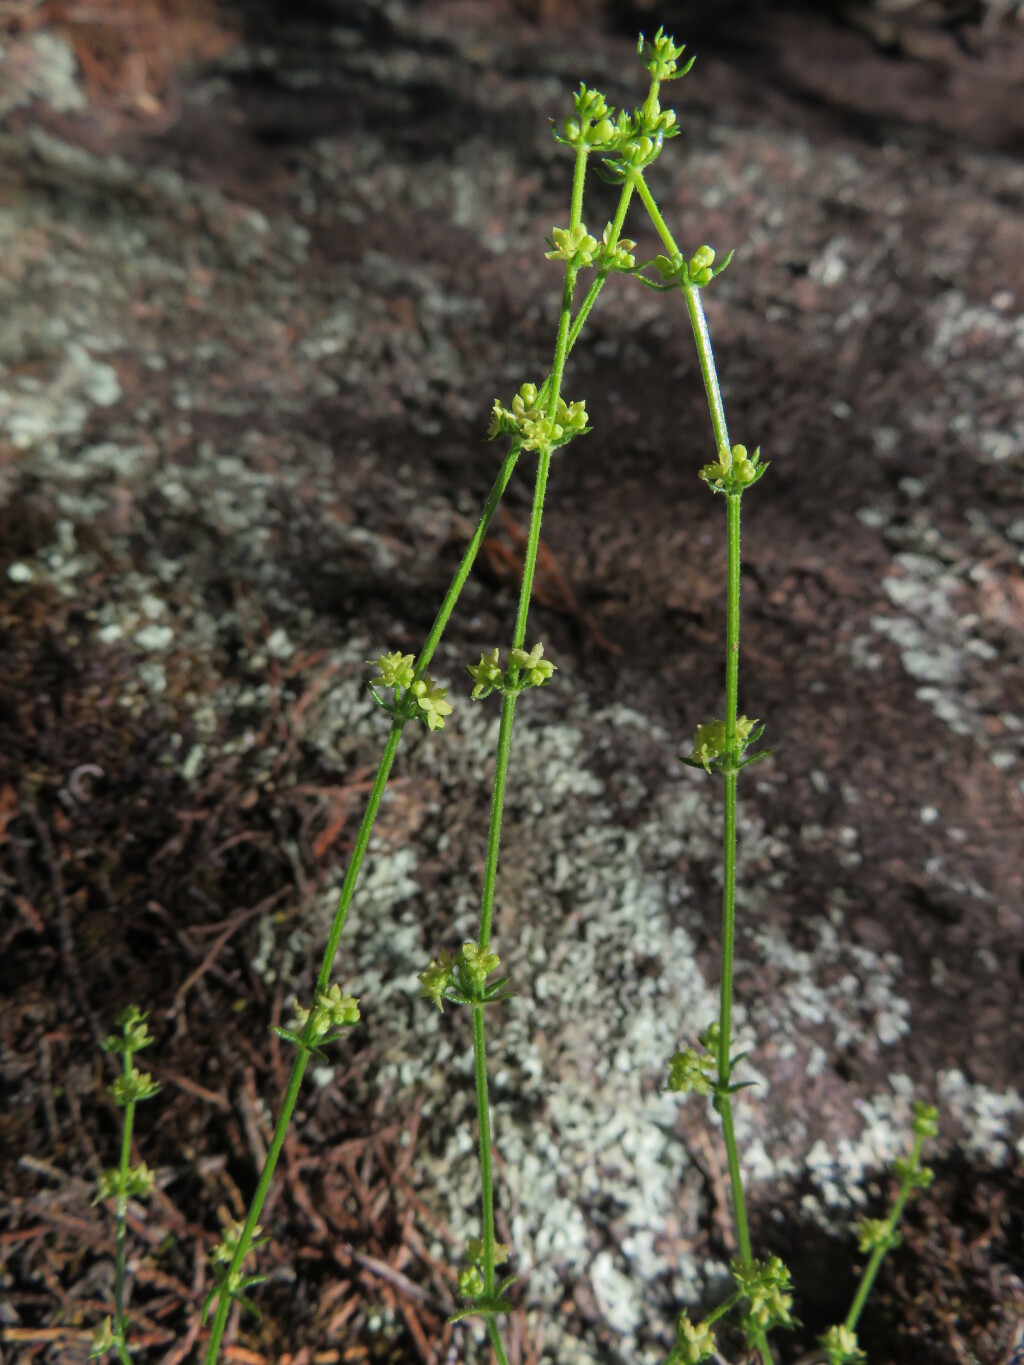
(574, 246)
(710, 750)
(661, 54)
(734, 471)
(472, 1284)
(331, 1012)
(617, 255)
(876, 1234)
(926, 1120)
(695, 1342)
(693, 1071)
(132, 1085)
(139, 1181)
(912, 1174)
(767, 1288)
(840, 1347)
(677, 272)
(524, 669)
(462, 979)
(233, 1282)
(528, 422)
(419, 698)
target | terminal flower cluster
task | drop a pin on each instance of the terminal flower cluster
(529, 423)
(524, 669)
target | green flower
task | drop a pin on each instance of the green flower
(661, 56)
(471, 1282)
(734, 470)
(926, 1120)
(135, 1034)
(875, 1233)
(537, 669)
(574, 246)
(396, 670)
(332, 1009)
(841, 1347)
(709, 741)
(695, 1342)
(767, 1289)
(909, 1173)
(617, 257)
(529, 422)
(133, 1086)
(477, 964)
(475, 1251)
(430, 698)
(486, 675)
(224, 1252)
(103, 1340)
(690, 1070)
(436, 978)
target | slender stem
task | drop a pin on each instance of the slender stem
(495, 1338)
(468, 558)
(484, 1116)
(302, 1056)
(122, 1210)
(552, 387)
(878, 1255)
(698, 322)
(723, 1100)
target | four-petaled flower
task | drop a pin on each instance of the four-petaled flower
(396, 670)
(486, 675)
(430, 698)
(538, 670)
(435, 979)
(574, 246)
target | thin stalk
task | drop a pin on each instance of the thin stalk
(120, 1325)
(495, 1339)
(723, 1100)
(554, 387)
(483, 1111)
(878, 1255)
(302, 1055)
(698, 322)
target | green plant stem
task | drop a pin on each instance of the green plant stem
(120, 1325)
(879, 1254)
(508, 704)
(484, 1115)
(495, 1338)
(302, 1056)
(723, 1100)
(697, 321)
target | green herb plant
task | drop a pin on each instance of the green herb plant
(623, 145)
(124, 1181)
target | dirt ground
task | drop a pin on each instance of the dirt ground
(258, 289)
